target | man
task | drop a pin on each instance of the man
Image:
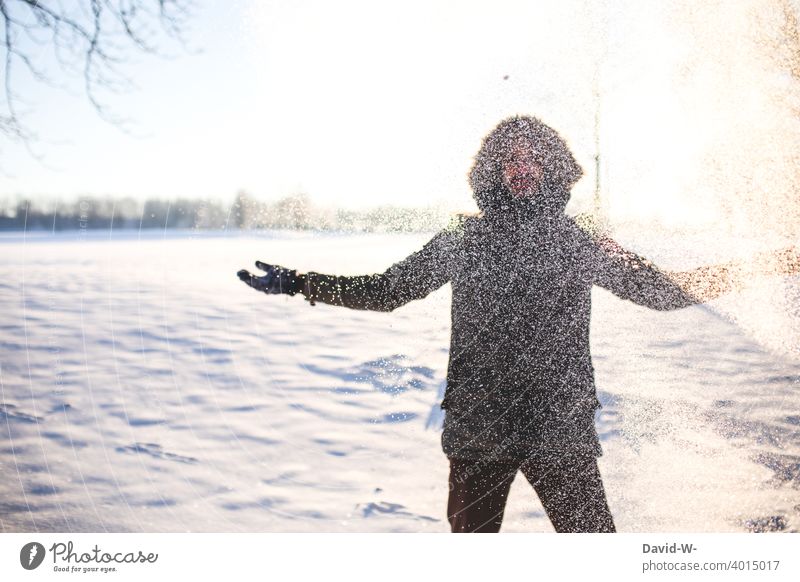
(520, 383)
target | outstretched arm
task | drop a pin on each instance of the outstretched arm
(412, 278)
(633, 277)
(630, 276)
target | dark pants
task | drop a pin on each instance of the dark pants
(571, 492)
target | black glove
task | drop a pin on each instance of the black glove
(276, 281)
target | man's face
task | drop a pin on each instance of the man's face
(522, 170)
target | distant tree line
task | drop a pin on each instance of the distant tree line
(295, 212)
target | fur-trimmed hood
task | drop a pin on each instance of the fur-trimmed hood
(561, 171)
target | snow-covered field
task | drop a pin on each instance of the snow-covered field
(143, 387)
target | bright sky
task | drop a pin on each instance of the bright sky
(360, 103)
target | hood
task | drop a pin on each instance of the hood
(561, 170)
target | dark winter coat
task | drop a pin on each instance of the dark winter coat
(520, 380)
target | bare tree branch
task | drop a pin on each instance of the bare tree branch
(90, 39)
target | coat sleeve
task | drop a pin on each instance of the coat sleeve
(412, 278)
(630, 276)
